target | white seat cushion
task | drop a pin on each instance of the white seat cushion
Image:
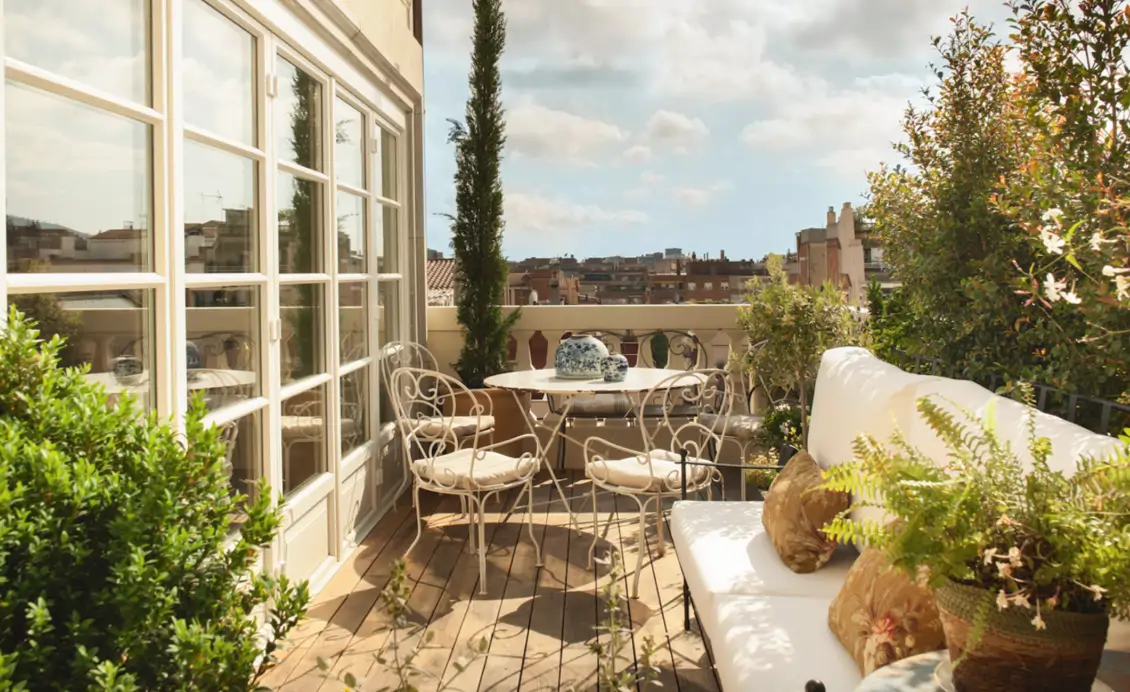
(441, 426)
(743, 426)
(723, 549)
(776, 644)
(490, 469)
(663, 474)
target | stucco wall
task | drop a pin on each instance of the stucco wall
(388, 25)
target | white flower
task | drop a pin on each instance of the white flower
(1052, 214)
(1122, 286)
(1004, 569)
(1052, 242)
(1014, 556)
(1021, 599)
(1038, 622)
(989, 554)
(1070, 297)
(1002, 600)
(1097, 241)
(1098, 591)
(1110, 271)
(1053, 288)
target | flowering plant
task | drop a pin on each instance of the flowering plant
(1032, 537)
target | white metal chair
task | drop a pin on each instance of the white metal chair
(443, 461)
(655, 472)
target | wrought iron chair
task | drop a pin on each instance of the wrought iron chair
(676, 350)
(467, 467)
(656, 471)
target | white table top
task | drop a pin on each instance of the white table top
(547, 382)
(202, 379)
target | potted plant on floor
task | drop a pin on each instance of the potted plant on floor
(477, 224)
(1028, 563)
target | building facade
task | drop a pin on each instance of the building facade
(837, 253)
(223, 199)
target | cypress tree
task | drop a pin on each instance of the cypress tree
(477, 225)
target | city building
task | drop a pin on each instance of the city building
(550, 286)
(844, 252)
(228, 187)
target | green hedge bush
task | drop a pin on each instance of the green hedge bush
(118, 568)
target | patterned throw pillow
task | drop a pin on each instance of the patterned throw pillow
(796, 511)
(882, 616)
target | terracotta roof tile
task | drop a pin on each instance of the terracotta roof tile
(441, 274)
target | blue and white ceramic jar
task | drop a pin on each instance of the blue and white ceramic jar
(615, 368)
(580, 357)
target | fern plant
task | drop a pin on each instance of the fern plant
(1034, 538)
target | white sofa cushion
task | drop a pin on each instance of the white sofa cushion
(776, 644)
(1069, 442)
(723, 549)
(858, 393)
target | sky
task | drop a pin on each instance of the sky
(638, 125)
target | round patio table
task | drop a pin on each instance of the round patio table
(638, 381)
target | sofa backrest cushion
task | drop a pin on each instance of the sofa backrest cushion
(1069, 442)
(858, 393)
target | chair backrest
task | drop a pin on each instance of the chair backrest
(405, 354)
(675, 409)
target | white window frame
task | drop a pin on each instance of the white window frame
(277, 33)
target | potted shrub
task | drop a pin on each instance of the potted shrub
(790, 326)
(119, 568)
(477, 225)
(1027, 564)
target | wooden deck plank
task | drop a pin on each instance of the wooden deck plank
(539, 623)
(355, 653)
(542, 658)
(646, 613)
(503, 667)
(337, 610)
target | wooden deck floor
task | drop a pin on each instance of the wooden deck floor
(538, 622)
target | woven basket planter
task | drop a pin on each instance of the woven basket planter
(1011, 653)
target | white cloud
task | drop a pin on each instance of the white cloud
(701, 196)
(847, 130)
(648, 181)
(638, 153)
(533, 212)
(675, 132)
(541, 132)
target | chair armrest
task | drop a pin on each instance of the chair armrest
(516, 438)
(628, 451)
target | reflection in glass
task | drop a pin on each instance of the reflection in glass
(298, 116)
(387, 232)
(349, 144)
(112, 331)
(302, 334)
(350, 234)
(77, 187)
(244, 458)
(354, 410)
(384, 167)
(223, 344)
(354, 315)
(98, 43)
(219, 73)
(300, 223)
(303, 437)
(220, 228)
(389, 317)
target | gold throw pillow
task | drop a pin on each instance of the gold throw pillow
(796, 511)
(882, 616)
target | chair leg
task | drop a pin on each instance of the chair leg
(742, 470)
(419, 520)
(641, 545)
(659, 525)
(482, 548)
(530, 520)
(470, 504)
(595, 526)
